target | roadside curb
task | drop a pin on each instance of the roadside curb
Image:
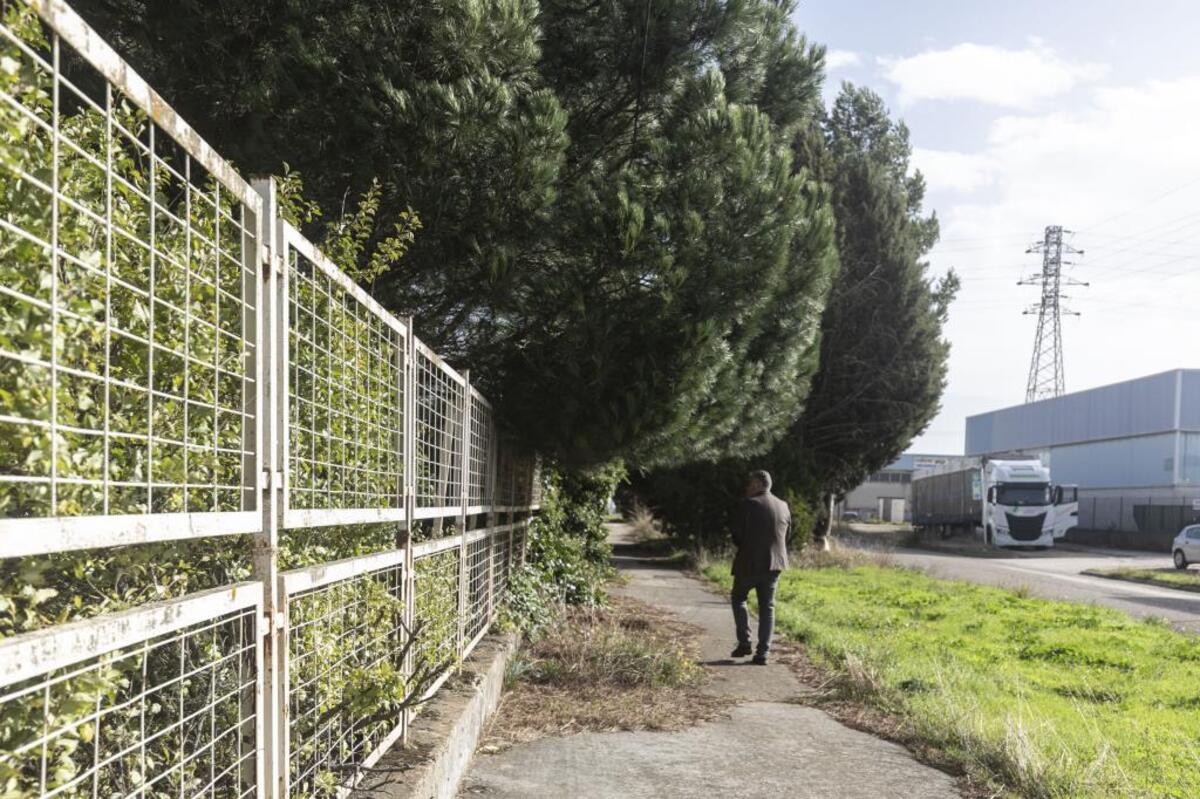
(1187, 589)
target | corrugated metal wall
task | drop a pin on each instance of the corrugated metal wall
(1189, 460)
(1133, 408)
(1190, 407)
(1141, 462)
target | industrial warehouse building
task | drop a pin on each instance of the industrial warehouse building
(1133, 448)
(887, 494)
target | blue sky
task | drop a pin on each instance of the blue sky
(1025, 114)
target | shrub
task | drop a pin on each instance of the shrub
(567, 555)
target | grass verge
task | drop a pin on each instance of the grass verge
(1180, 579)
(623, 666)
(1050, 699)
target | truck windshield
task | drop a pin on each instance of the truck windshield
(1023, 494)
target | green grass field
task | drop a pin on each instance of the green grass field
(1046, 698)
(1168, 578)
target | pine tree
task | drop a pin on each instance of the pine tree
(689, 258)
(615, 236)
(883, 356)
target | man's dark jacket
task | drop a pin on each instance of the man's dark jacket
(760, 532)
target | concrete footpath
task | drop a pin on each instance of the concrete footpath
(768, 746)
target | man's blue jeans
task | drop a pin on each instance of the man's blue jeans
(764, 588)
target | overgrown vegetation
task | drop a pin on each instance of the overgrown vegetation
(567, 552)
(1048, 698)
(621, 666)
(646, 527)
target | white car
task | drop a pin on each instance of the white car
(1186, 547)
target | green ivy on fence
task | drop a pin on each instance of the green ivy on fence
(107, 308)
(436, 599)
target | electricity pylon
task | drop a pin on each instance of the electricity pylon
(1046, 366)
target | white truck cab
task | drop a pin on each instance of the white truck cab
(1022, 507)
(1009, 499)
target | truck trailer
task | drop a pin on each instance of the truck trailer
(1010, 500)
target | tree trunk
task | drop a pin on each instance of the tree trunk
(823, 524)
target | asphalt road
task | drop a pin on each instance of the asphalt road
(1056, 575)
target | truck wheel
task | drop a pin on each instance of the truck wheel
(1180, 559)
(989, 537)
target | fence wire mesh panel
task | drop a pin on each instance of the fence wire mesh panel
(479, 598)
(481, 452)
(501, 560)
(1132, 520)
(345, 678)
(128, 332)
(435, 622)
(345, 397)
(171, 714)
(520, 537)
(522, 495)
(439, 429)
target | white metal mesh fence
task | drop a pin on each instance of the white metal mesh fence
(345, 396)
(144, 331)
(127, 320)
(501, 559)
(345, 646)
(161, 701)
(436, 617)
(439, 429)
(479, 584)
(482, 452)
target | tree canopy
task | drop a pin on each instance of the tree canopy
(882, 365)
(633, 221)
(615, 237)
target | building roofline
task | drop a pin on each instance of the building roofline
(1178, 370)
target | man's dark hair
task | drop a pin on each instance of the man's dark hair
(762, 476)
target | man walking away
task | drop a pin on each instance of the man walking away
(760, 533)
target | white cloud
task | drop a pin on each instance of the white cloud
(987, 74)
(1121, 167)
(838, 59)
(954, 171)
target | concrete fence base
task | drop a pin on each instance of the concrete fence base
(443, 738)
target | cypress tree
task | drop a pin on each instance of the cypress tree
(883, 356)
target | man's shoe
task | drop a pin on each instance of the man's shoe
(741, 651)
(759, 660)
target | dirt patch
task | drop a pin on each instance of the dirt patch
(626, 666)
